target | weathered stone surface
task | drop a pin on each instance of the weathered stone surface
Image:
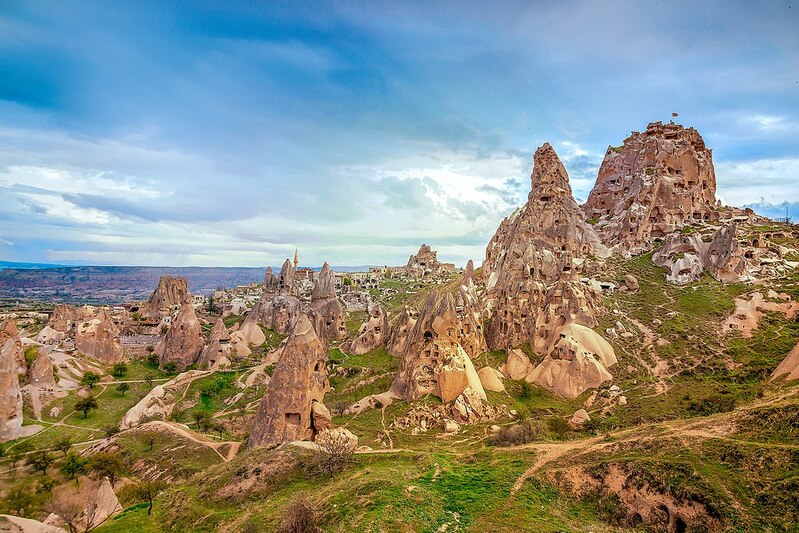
(299, 380)
(654, 184)
(10, 395)
(270, 287)
(183, 341)
(457, 372)
(40, 373)
(170, 295)
(95, 498)
(279, 313)
(217, 347)
(631, 283)
(16, 524)
(321, 416)
(49, 335)
(286, 283)
(337, 437)
(579, 418)
(491, 379)
(533, 263)
(329, 319)
(98, 338)
(688, 257)
(468, 273)
(373, 333)
(9, 331)
(424, 263)
(789, 367)
(400, 333)
(517, 366)
(324, 288)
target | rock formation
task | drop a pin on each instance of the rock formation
(218, 346)
(40, 373)
(491, 379)
(423, 263)
(270, 287)
(279, 313)
(654, 184)
(170, 295)
(533, 263)
(10, 395)
(688, 257)
(183, 341)
(326, 313)
(789, 367)
(324, 288)
(374, 332)
(98, 338)
(468, 273)
(448, 329)
(17, 524)
(9, 331)
(299, 380)
(398, 342)
(285, 280)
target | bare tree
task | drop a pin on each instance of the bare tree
(299, 517)
(146, 491)
(67, 505)
(335, 452)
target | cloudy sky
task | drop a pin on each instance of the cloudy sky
(153, 133)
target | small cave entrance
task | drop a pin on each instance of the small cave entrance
(428, 335)
(292, 419)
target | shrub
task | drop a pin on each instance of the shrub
(522, 433)
(558, 426)
(335, 453)
(716, 403)
(299, 517)
(119, 370)
(170, 367)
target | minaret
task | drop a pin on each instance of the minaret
(296, 259)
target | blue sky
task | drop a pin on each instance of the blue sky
(229, 133)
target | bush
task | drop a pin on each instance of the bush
(299, 517)
(89, 379)
(335, 453)
(716, 403)
(558, 426)
(170, 367)
(119, 370)
(523, 433)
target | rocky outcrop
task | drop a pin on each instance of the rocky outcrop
(491, 379)
(16, 524)
(329, 320)
(170, 295)
(373, 333)
(9, 331)
(217, 347)
(286, 283)
(468, 273)
(279, 313)
(654, 184)
(534, 261)
(324, 288)
(98, 338)
(270, 287)
(424, 263)
(93, 498)
(299, 381)
(40, 373)
(688, 257)
(10, 394)
(789, 367)
(448, 329)
(398, 342)
(160, 401)
(183, 341)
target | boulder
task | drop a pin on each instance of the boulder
(580, 418)
(338, 437)
(40, 373)
(517, 366)
(631, 283)
(569, 378)
(321, 416)
(95, 497)
(183, 341)
(491, 379)
(16, 524)
(450, 426)
(299, 380)
(456, 374)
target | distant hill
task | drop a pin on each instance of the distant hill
(116, 284)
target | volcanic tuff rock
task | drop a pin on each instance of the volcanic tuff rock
(171, 294)
(533, 261)
(447, 327)
(655, 183)
(299, 380)
(398, 342)
(423, 263)
(40, 373)
(373, 332)
(10, 394)
(329, 320)
(9, 331)
(217, 346)
(98, 338)
(183, 342)
(279, 313)
(687, 257)
(324, 288)
(285, 280)
(789, 367)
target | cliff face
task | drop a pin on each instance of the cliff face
(655, 183)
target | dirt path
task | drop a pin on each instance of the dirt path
(159, 425)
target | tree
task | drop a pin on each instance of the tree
(202, 419)
(210, 307)
(40, 461)
(149, 377)
(170, 367)
(84, 405)
(19, 451)
(89, 379)
(299, 517)
(123, 388)
(334, 453)
(68, 506)
(150, 439)
(146, 491)
(106, 464)
(20, 499)
(73, 465)
(119, 370)
(63, 445)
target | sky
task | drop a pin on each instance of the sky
(231, 133)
